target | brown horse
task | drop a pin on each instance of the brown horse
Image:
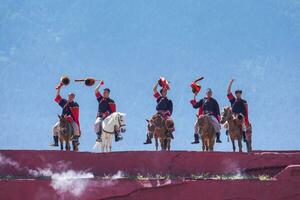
(66, 134)
(161, 129)
(234, 127)
(208, 133)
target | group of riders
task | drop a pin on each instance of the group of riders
(106, 106)
(70, 110)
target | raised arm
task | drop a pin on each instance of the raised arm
(58, 91)
(194, 102)
(155, 88)
(156, 93)
(229, 86)
(97, 92)
(58, 99)
(98, 86)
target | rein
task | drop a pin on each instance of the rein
(113, 132)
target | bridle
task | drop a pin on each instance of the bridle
(120, 126)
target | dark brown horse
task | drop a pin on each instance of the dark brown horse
(65, 134)
(161, 129)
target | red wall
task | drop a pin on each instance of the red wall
(177, 163)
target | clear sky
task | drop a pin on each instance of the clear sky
(130, 44)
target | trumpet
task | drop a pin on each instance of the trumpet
(88, 81)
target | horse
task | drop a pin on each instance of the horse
(208, 132)
(114, 123)
(234, 127)
(161, 129)
(65, 134)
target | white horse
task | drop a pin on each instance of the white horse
(110, 125)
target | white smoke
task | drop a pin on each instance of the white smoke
(118, 175)
(69, 181)
(7, 161)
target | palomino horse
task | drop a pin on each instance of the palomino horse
(114, 123)
(234, 127)
(65, 133)
(208, 132)
(161, 129)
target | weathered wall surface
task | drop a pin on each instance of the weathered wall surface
(22, 175)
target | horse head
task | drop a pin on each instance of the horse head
(150, 126)
(203, 120)
(170, 125)
(64, 125)
(121, 125)
(226, 114)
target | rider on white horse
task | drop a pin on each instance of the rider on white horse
(106, 107)
(70, 110)
(207, 105)
(164, 105)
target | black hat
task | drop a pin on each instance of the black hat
(238, 91)
(107, 89)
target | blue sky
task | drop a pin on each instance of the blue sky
(130, 44)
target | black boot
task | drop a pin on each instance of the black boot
(196, 136)
(117, 137)
(55, 143)
(227, 132)
(218, 138)
(148, 141)
(98, 137)
(171, 135)
(244, 136)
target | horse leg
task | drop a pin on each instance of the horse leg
(74, 146)
(240, 144)
(166, 143)
(211, 144)
(156, 143)
(61, 144)
(203, 144)
(169, 144)
(68, 145)
(110, 143)
(249, 145)
(162, 144)
(233, 145)
(102, 142)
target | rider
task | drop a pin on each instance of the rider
(164, 105)
(239, 107)
(207, 105)
(70, 110)
(106, 107)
